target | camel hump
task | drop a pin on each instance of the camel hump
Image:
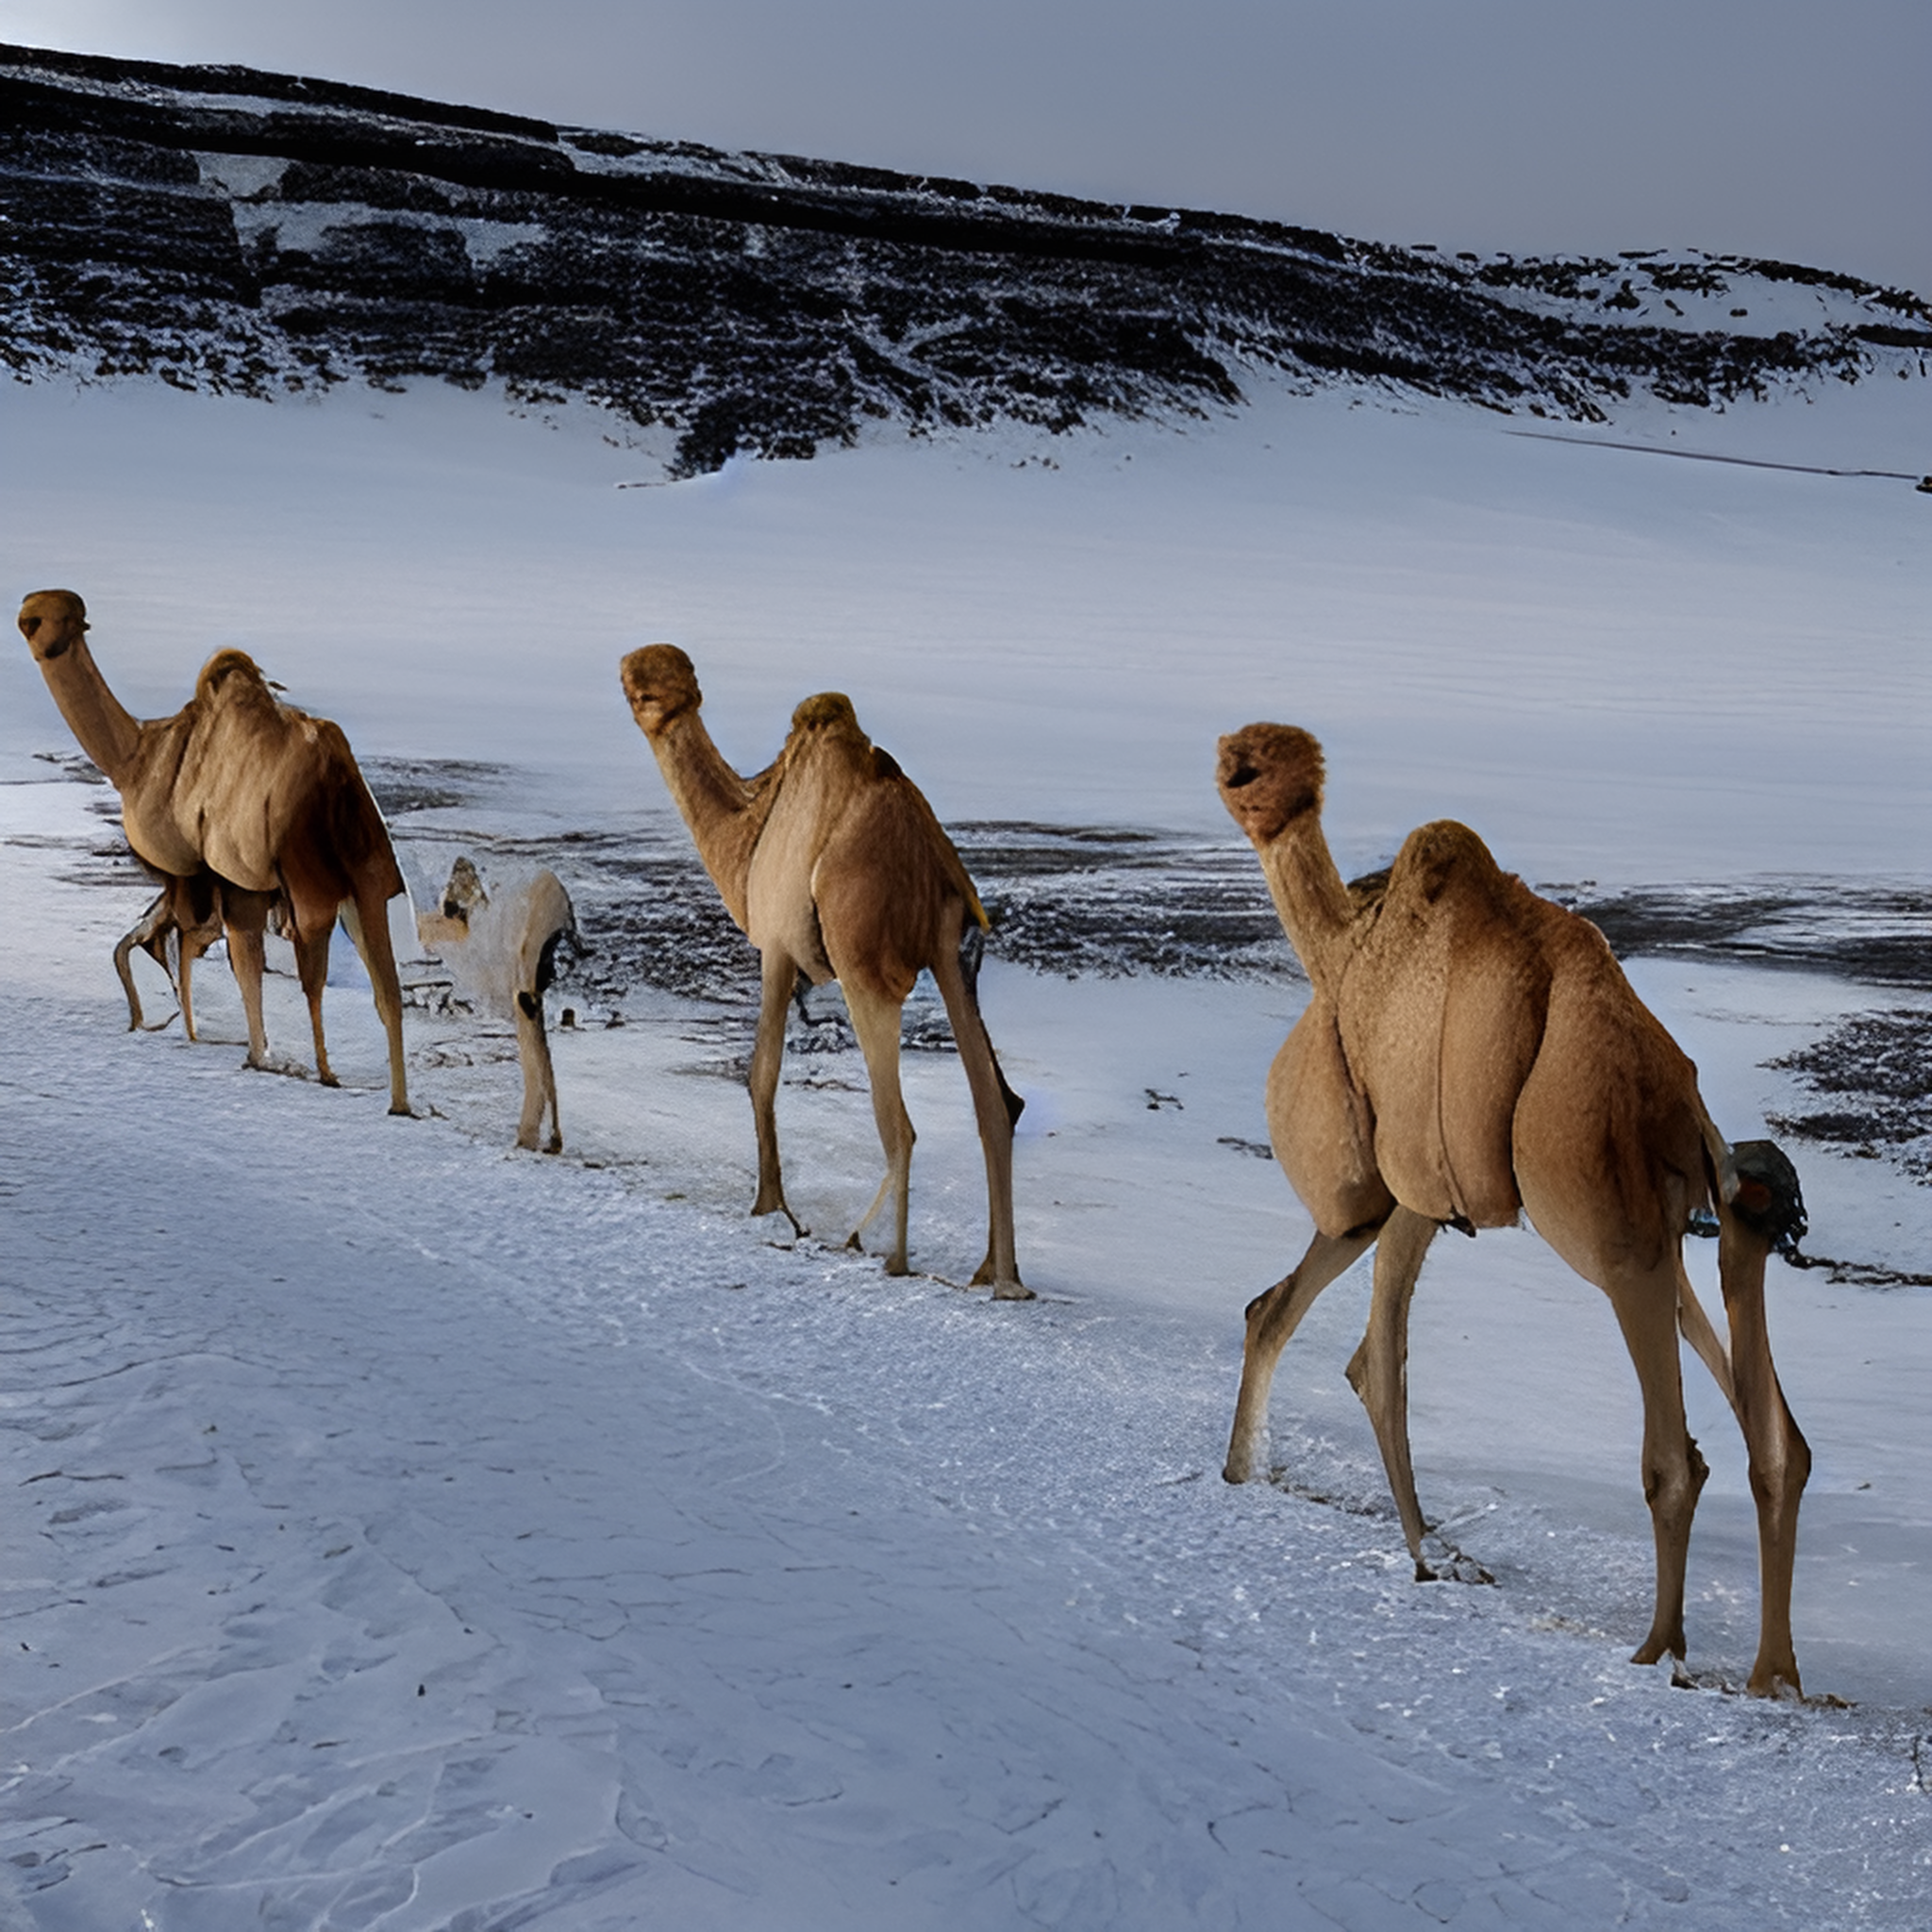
(828, 710)
(1451, 950)
(231, 676)
(1444, 856)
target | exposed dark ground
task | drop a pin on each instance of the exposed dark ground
(1109, 901)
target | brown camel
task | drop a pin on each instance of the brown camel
(1472, 1053)
(503, 952)
(834, 865)
(263, 797)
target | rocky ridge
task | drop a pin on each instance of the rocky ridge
(231, 230)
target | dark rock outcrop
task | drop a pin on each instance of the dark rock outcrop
(222, 228)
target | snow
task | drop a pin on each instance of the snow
(410, 1533)
(1608, 663)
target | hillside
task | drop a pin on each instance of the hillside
(238, 231)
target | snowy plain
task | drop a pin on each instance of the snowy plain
(405, 1533)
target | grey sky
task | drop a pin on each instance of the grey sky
(1794, 129)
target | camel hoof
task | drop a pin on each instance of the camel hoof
(328, 1079)
(527, 1142)
(555, 1144)
(1011, 1291)
(798, 1227)
(400, 1109)
(895, 1264)
(988, 1275)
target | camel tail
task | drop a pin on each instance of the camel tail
(972, 951)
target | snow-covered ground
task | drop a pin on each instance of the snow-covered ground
(409, 1533)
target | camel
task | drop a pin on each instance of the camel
(1469, 1054)
(834, 865)
(264, 797)
(503, 953)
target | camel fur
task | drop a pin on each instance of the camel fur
(1472, 1053)
(263, 797)
(834, 865)
(503, 953)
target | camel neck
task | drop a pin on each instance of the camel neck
(105, 731)
(1309, 895)
(714, 801)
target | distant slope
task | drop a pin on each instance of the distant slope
(226, 229)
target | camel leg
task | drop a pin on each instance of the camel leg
(189, 947)
(1272, 1318)
(777, 976)
(191, 938)
(311, 967)
(366, 919)
(1780, 1457)
(995, 1116)
(1378, 1372)
(540, 1078)
(142, 934)
(187, 952)
(875, 1019)
(1674, 1470)
(1694, 1325)
(245, 956)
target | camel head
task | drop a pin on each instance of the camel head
(662, 684)
(52, 621)
(1269, 775)
(464, 895)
